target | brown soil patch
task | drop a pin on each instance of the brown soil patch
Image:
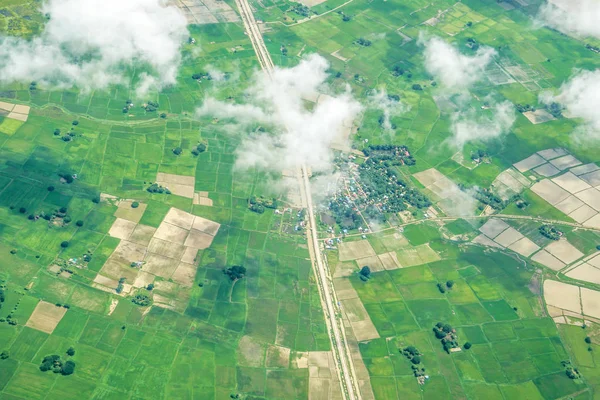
(113, 306)
(160, 266)
(389, 261)
(125, 211)
(547, 259)
(46, 317)
(189, 256)
(550, 191)
(538, 116)
(6, 106)
(105, 281)
(119, 263)
(21, 109)
(179, 185)
(508, 237)
(184, 274)
(564, 251)
(278, 357)
(121, 228)
(493, 227)
(142, 234)
(529, 163)
(344, 289)
(179, 218)
(202, 201)
(591, 302)
(167, 249)
(55, 269)
(585, 272)
(525, 247)
(562, 295)
(206, 225)
(569, 204)
(199, 240)
(372, 262)
(171, 233)
(251, 353)
(143, 279)
(355, 250)
(17, 116)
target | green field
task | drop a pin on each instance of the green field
(516, 350)
(211, 338)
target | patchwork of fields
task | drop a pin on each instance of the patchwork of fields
(121, 213)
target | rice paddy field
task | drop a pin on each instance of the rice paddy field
(516, 350)
(206, 338)
(177, 327)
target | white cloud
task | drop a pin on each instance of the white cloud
(299, 135)
(390, 107)
(451, 69)
(580, 95)
(575, 17)
(88, 43)
(467, 126)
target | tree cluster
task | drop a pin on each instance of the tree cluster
(120, 286)
(442, 287)
(570, 370)
(151, 106)
(447, 336)
(201, 75)
(555, 109)
(156, 188)
(57, 365)
(550, 232)
(363, 42)
(235, 272)
(301, 10)
(258, 204)
(200, 148)
(141, 300)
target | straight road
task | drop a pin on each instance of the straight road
(337, 334)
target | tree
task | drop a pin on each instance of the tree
(236, 272)
(120, 286)
(56, 132)
(141, 300)
(22, 210)
(75, 123)
(79, 223)
(449, 284)
(68, 368)
(64, 244)
(177, 151)
(71, 351)
(150, 286)
(467, 345)
(417, 87)
(4, 355)
(365, 271)
(135, 204)
(416, 359)
(588, 339)
(51, 188)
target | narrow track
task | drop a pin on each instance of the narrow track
(337, 334)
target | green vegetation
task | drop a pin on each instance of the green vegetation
(259, 204)
(236, 272)
(57, 365)
(550, 232)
